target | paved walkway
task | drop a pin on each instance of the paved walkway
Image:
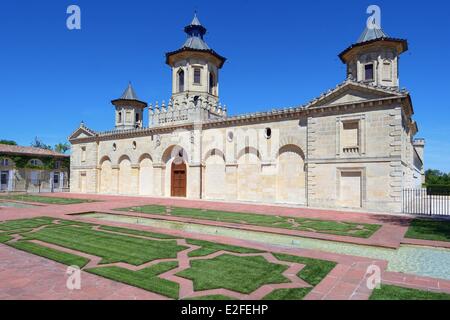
(25, 276)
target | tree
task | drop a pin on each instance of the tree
(62, 147)
(436, 177)
(8, 142)
(37, 143)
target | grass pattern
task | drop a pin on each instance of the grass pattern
(387, 292)
(111, 248)
(49, 253)
(44, 200)
(240, 274)
(146, 279)
(429, 230)
(360, 230)
(208, 248)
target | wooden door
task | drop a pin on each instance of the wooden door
(178, 182)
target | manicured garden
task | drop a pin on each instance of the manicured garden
(43, 199)
(360, 230)
(142, 258)
(387, 292)
(436, 230)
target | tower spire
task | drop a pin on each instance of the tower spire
(195, 28)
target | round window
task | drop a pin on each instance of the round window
(230, 136)
(114, 147)
(268, 133)
(134, 145)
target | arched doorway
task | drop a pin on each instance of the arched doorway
(178, 180)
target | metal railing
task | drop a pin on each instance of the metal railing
(426, 202)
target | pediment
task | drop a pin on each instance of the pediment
(351, 92)
(80, 133)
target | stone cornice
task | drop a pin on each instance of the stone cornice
(260, 117)
(354, 160)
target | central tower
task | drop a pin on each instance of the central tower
(195, 77)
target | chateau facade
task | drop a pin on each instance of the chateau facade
(352, 147)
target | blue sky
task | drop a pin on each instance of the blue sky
(280, 53)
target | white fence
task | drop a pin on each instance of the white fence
(426, 202)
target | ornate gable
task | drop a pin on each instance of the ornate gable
(351, 92)
(82, 132)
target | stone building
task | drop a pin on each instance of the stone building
(27, 169)
(352, 147)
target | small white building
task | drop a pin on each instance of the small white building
(28, 169)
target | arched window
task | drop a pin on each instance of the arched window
(212, 83)
(4, 162)
(137, 117)
(119, 117)
(180, 81)
(35, 163)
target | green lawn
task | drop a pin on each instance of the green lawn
(217, 297)
(45, 200)
(288, 294)
(138, 232)
(359, 230)
(25, 224)
(313, 273)
(55, 255)
(208, 248)
(4, 238)
(240, 274)
(146, 279)
(110, 247)
(429, 230)
(398, 293)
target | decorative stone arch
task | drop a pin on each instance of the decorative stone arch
(213, 169)
(146, 174)
(145, 156)
(122, 158)
(291, 177)
(291, 140)
(174, 160)
(291, 148)
(249, 174)
(105, 183)
(168, 153)
(103, 159)
(249, 150)
(214, 152)
(127, 179)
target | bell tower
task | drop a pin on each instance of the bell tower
(129, 110)
(195, 68)
(374, 58)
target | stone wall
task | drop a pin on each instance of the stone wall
(302, 161)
